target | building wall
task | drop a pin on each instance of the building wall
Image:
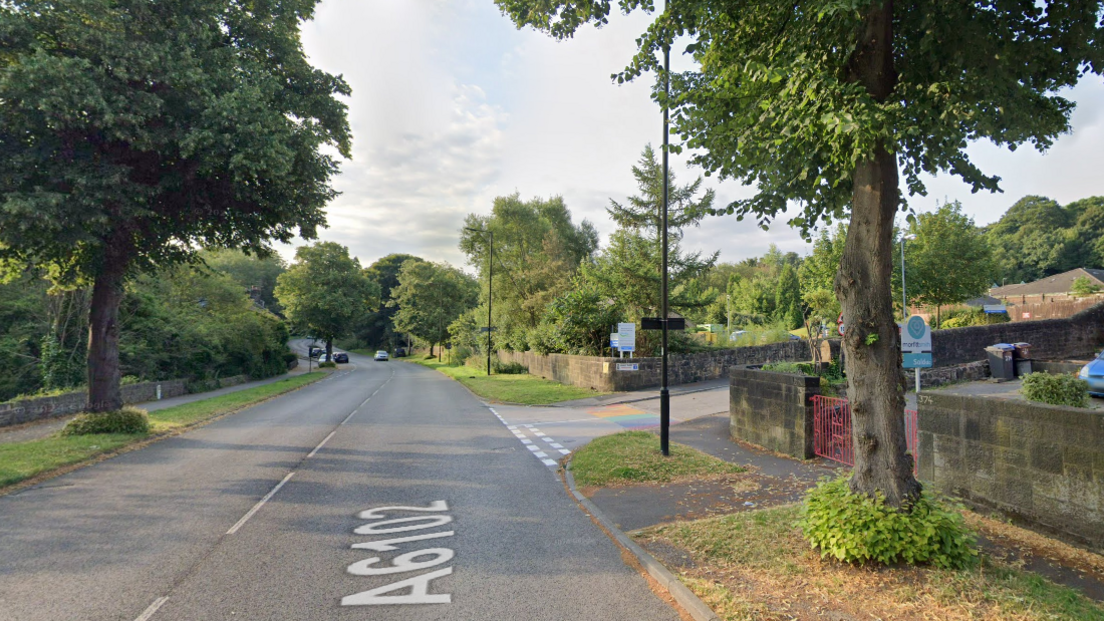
(1076, 336)
(773, 410)
(1040, 463)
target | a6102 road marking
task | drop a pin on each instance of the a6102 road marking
(414, 560)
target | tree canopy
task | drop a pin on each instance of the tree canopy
(1037, 237)
(820, 103)
(325, 291)
(429, 297)
(133, 133)
(950, 260)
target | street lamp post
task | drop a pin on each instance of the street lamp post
(664, 394)
(490, 287)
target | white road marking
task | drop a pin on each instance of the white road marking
(524, 441)
(565, 451)
(554, 445)
(548, 462)
(257, 507)
(362, 403)
(539, 434)
(512, 427)
(540, 454)
(321, 444)
(532, 448)
(148, 613)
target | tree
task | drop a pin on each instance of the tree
(1031, 239)
(950, 260)
(378, 328)
(430, 296)
(642, 213)
(325, 291)
(821, 103)
(1082, 286)
(582, 319)
(537, 250)
(134, 132)
(787, 300)
(254, 274)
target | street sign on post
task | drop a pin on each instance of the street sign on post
(839, 325)
(626, 337)
(916, 346)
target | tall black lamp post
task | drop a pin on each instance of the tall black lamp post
(490, 287)
(664, 395)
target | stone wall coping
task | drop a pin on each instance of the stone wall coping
(795, 379)
(1009, 408)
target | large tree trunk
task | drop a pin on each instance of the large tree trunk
(104, 376)
(872, 341)
(329, 349)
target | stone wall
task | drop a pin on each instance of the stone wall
(601, 373)
(1040, 463)
(773, 410)
(937, 376)
(1052, 339)
(28, 410)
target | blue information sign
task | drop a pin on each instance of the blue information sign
(917, 361)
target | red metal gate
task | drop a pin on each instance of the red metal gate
(832, 430)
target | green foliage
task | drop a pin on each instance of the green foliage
(1037, 237)
(950, 261)
(127, 420)
(326, 291)
(430, 297)
(1082, 286)
(327, 365)
(252, 273)
(761, 335)
(641, 214)
(579, 321)
(508, 368)
(537, 250)
(962, 318)
(855, 528)
(377, 329)
(802, 368)
(1060, 389)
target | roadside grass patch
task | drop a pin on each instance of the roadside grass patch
(515, 388)
(634, 457)
(20, 461)
(757, 565)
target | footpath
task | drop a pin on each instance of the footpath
(700, 420)
(44, 428)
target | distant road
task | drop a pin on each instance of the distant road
(385, 491)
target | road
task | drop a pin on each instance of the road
(278, 513)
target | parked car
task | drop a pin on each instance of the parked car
(323, 358)
(342, 358)
(1093, 373)
(381, 355)
(316, 352)
(400, 352)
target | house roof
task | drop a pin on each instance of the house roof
(1050, 285)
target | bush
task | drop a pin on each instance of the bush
(127, 420)
(802, 368)
(855, 528)
(327, 365)
(508, 368)
(1056, 389)
(476, 361)
(963, 318)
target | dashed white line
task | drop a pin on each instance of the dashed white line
(321, 444)
(554, 445)
(257, 507)
(148, 613)
(548, 462)
(532, 448)
(524, 441)
(527, 443)
(565, 451)
(540, 454)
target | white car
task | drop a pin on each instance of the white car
(381, 355)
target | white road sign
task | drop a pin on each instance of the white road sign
(626, 336)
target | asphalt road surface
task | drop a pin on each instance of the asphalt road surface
(386, 491)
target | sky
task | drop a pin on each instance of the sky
(452, 106)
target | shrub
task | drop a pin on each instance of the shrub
(127, 420)
(855, 528)
(802, 368)
(508, 368)
(1059, 389)
(477, 361)
(327, 365)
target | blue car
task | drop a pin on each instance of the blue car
(1093, 373)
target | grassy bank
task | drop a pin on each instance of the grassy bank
(756, 565)
(634, 457)
(523, 388)
(20, 461)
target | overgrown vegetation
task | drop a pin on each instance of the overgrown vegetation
(634, 457)
(855, 528)
(1058, 389)
(126, 421)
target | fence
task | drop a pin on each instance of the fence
(832, 431)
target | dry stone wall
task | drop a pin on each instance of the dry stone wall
(773, 410)
(28, 410)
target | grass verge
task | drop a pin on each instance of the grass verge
(756, 565)
(20, 461)
(522, 388)
(634, 457)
